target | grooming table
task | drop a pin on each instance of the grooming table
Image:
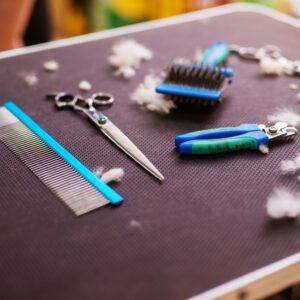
(203, 231)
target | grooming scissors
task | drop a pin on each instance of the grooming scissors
(87, 107)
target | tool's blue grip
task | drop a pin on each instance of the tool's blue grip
(216, 133)
(199, 93)
(216, 54)
(249, 140)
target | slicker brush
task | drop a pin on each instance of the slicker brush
(191, 83)
(201, 83)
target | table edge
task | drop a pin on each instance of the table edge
(258, 284)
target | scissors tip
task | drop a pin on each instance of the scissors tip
(154, 172)
(160, 177)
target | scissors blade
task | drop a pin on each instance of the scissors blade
(122, 141)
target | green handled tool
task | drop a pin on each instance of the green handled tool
(216, 54)
(227, 139)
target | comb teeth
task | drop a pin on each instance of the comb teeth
(68, 185)
(195, 84)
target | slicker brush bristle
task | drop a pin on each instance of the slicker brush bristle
(189, 101)
(196, 75)
(195, 84)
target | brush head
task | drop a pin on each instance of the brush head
(195, 83)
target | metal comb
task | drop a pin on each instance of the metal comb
(59, 170)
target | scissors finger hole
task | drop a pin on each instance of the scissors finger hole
(103, 98)
(64, 99)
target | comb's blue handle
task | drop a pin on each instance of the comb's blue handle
(246, 136)
(103, 188)
(199, 93)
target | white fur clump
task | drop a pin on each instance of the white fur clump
(270, 66)
(29, 78)
(291, 166)
(198, 56)
(293, 86)
(282, 203)
(51, 66)
(285, 115)
(127, 56)
(135, 224)
(146, 96)
(114, 174)
(84, 86)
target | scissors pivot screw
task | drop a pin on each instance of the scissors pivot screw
(102, 119)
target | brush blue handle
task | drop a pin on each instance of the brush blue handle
(216, 54)
(198, 93)
(220, 140)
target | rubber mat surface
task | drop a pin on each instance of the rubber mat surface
(205, 225)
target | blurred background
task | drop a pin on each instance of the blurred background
(28, 22)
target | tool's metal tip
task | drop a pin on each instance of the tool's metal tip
(151, 169)
(160, 177)
(121, 140)
(290, 131)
